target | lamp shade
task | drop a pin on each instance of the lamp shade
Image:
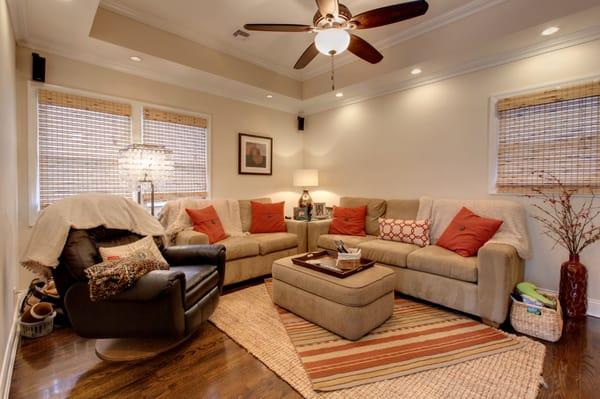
(332, 41)
(144, 162)
(306, 178)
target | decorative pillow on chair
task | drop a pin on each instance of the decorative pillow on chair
(348, 221)
(468, 232)
(112, 277)
(267, 218)
(407, 231)
(146, 247)
(207, 221)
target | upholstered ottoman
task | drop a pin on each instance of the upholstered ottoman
(350, 307)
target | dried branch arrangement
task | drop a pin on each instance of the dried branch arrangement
(573, 229)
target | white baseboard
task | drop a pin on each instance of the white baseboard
(593, 308)
(10, 352)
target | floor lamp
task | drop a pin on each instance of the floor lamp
(145, 163)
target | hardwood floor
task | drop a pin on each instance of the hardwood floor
(211, 365)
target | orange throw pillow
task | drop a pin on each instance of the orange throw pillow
(348, 221)
(267, 218)
(207, 221)
(468, 232)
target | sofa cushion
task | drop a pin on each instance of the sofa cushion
(240, 247)
(273, 242)
(327, 241)
(375, 209)
(268, 218)
(440, 261)
(401, 209)
(350, 221)
(388, 252)
(246, 211)
(207, 221)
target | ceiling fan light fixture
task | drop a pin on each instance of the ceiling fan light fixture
(332, 41)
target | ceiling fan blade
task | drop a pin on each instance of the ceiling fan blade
(390, 14)
(307, 56)
(328, 7)
(364, 50)
(278, 27)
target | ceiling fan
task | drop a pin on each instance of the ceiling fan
(332, 23)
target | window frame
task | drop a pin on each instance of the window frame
(136, 136)
(494, 127)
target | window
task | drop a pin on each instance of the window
(556, 131)
(76, 140)
(78, 143)
(186, 137)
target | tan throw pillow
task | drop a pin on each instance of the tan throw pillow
(407, 231)
(112, 277)
(144, 249)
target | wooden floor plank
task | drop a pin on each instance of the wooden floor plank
(211, 365)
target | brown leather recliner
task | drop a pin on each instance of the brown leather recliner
(165, 303)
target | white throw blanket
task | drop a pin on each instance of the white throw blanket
(512, 232)
(175, 219)
(85, 211)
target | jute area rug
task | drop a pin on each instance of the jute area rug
(249, 318)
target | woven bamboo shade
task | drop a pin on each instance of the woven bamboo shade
(67, 100)
(187, 137)
(555, 131)
(78, 142)
(173, 117)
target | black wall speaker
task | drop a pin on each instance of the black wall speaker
(301, 123)
(38, 68)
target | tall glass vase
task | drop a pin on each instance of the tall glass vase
(573, 287)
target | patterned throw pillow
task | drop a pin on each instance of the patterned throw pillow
(109, 278)
(408, 231)
(144, 248)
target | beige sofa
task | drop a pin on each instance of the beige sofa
(478, 285)
(252, 255)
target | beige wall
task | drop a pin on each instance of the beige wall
(8, 173)
(228, 118)
(433, 140)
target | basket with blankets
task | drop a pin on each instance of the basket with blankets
(536, 312)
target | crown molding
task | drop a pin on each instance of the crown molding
(324, 102)
(424, 27)
(215, 44)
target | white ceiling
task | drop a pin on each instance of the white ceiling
(212, 24)
(63, 27)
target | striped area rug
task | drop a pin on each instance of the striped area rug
(416, 338)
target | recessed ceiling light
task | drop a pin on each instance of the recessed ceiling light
(550, 31)
(135, 58)
(416, 71)
(339, 94)
(269, 96)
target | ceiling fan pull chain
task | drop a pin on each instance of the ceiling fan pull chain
(332, 75)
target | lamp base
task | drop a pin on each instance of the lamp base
(305, 201)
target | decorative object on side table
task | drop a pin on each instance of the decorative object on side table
(141, 164)
(572, 229)
(300, 213)
(255, 155)
(306, 178)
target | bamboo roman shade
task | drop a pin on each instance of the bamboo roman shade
(555, 131)
(78, 143)
(186, 136)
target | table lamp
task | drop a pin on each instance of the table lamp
(306, 178)
(145, 163)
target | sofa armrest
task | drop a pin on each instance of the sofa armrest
(315, 230)
(500, 269)
(299, 228)
(187, 237)
(191, 255)
(150, 286)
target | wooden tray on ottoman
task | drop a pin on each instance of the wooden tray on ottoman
(328, 263)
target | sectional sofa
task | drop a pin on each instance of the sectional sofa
(252, 255)
(478, 285)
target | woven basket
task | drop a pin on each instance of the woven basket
(38, 329)
(547, 326)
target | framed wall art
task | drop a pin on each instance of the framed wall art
(255, 155)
